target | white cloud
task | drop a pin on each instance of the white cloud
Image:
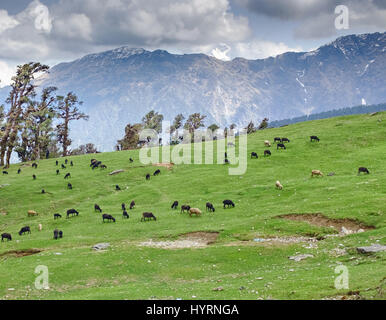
(75, 26)
(41, 15)
(222, 53)
(6, 21)
(6, 73)
(262, 49)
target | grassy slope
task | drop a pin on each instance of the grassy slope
(127, 271)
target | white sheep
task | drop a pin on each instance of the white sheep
(279, 185)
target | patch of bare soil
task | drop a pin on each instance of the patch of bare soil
(168, 166)
(318, 219)
(200, 239)
(20, 253)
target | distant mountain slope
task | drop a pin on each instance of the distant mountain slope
(121, 85)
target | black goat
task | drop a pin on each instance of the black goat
(57, 162)
(58, 234)
(63, 166)
(131, 160)
(33, 177)
(228, 203)
(19, 171)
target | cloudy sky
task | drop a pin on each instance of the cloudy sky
(52, 31)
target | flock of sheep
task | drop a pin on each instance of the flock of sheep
(149, 215)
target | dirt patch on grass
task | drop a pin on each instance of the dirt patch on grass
(20, 253)
(200, 239)
(168, 166)
(310, 242)
(318, 219)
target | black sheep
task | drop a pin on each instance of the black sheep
(314, 138)
(33, 177)
(25, 230)
(57, 172)
(185, 208)
(364, 170)
(5, 172)
(6, 236)
(125, 215)
(228, 203)
(175, 205)
(210, 207)
(69, 186)
(267, 153)
(117, 188)
(72, 212)
(68, 175)
(19, 171)
(148, 215)
(254, 155)
(277, 140)
(108, 217)
(63, 166)
(97, 208)
(57, 162)
(281, 146)
(148, 177)
(157, 172)
(284, 140)
(132, 205)
(57, 216)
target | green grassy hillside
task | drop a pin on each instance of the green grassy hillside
(244, 268)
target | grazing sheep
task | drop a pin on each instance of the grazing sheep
(157, 172)
(24, 230)
(57, 162)
(185, 208)
(34, 165)
(125, 215)
(6, 236)
(40, 227)
(108, 217)
(210, 207)
(33, 177)
(267, 153)
(254, 155)
(72, 212)
(228, 203)
(281, 146)
(58, 234)
(97, 208)
(71, 164)
(316, 173)
(277, 140)
(57, 216)
(364, 170)
(148, 177)
(175, 205)
(19, 171)
(132, 205)
(131, 160)
(43, 191)
(103, 167)
(279, 185)
(195, 211)
(284, 140)
(68, 175)
(69, 186)
(63, 166)
(267, 143)
(5, 172)
(149, 216)
(117, 188)
(32, 213)
(314, 138)
(66, 161)
(123, 207)
(57, 172)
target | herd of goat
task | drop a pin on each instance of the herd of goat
(149, 215)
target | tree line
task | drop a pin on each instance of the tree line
(36, 126)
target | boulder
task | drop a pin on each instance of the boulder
(116, 172)
(372, 249)
(101, 246)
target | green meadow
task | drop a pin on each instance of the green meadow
(249, 258)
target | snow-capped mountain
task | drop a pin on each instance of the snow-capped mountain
(121, 85)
